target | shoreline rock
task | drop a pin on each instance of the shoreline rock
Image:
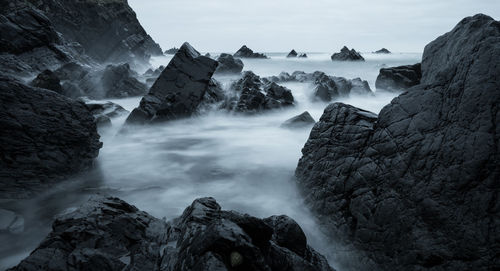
(229, 65)
(399, 78)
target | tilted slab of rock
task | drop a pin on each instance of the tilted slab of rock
(347, 55)
(228, 64)
(44, 137)
(417, 188)
(399, 78)
(179, 89)
(109, 233)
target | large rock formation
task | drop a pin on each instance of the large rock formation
(252, 95)
(109, 233)
(229, 65)
(179, 90)
(347, 55)
(417, 188)
(245, 52)
(108, 30)
(399, 78)
(44, 137)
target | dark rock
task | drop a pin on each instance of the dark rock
(328, 88)
(45, 137)
(72, 71)
(300, 121)
(208, 55)
(11, 222)
(229, 64)
(171, 51)
(48, 80)
(399, 78)
(347, 55)
(417, 187)
(119, 81)
(303, 55)
(254, 95)
(292, 54)
(109, 232)
(107, 30)
(245, 52)
(383, 51)
(213, 96)
(179, 89)
(103, 112)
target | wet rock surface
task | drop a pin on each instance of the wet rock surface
(109, 232)
(300, 121)
(417, 187)
(347, 55)
(179, 90)
(229, 65)
(45, 137)
(245, 52)
(399, 78)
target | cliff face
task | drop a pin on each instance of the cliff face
(417, 187)
(108, 30)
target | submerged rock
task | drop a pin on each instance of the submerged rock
(228, 64)
(48, 80)
(399, 78)
(110, 232)
(179, 89)
(347, 55)
(383, 51)
(415, 187)
(300, 121)
(292, 53)
(245, 52)
(49, 137)
(171, 51)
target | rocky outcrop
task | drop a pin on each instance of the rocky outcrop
(45, 137)
(229, 65)
(179, 90)
(103, 112)
(107, 30)
(399, 78)
(119, 81)
(416, 188)
(245, 52)
(382, 51)
(252, 95)
(48, 80)
(347, 55)
(109, 232)
(292, 53)
(171, 51)
(300, 121)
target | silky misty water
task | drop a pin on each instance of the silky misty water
(246, 163)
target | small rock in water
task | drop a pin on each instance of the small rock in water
(303, 120)
(347, 55)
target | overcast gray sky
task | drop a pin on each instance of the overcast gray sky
(306, 25)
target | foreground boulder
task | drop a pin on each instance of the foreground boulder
(300, 121)
(252, 95)
(383, 51)
(245, 52)
(347, 55)
(416, 188)
(179, 90)
(108, 232)
(45, 137)
(229, 65)
(399, 78)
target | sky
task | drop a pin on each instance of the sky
(305, 25)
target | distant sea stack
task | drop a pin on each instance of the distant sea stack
(245, 52)
(292, 53)
(347, 55)
(383, 51)
(416, 187)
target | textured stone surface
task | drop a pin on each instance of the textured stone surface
(245, 52)
(171, 51)
(43, 137)
(417, 188)
(107, 233)
(300, 121)
(229, 64)
(119, 81)
(399, 78)
(179, 90)
(347, 55)
(48, 80)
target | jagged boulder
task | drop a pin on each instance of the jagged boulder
(48, 80)
(399, 78)
(300, 121)
(171, 51)
(119, 81)
(417, 187)
(328, 88)
(108, 232)
(179, 90)
(347, 55)
(292, 53)
(229, 65)
(45, 137)
(304, 55)
(382, 51)
(245, 52)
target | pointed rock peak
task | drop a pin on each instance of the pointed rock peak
(187, 49)
(344, 49)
